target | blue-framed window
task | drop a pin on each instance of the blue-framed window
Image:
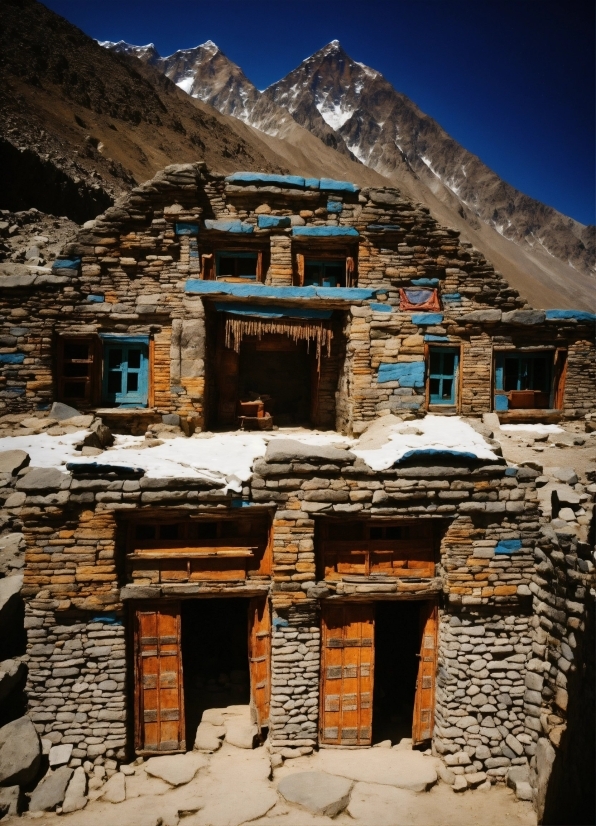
(125, 371)
(326, 273)
(235, 264)
(443, 374)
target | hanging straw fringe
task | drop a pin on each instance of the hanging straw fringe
(298, 330)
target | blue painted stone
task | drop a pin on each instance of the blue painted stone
(450, 297)
(382, 228)
(508, 546)
(408, 374)
(66, 264)
(199, 287)
(325, 232)
(279, 622)
(96, 299)
(381, 308)
(511, 471)
(334, 206)
(428, 452)
(12, 358)
(11, 390)
(428, 337)
(234, 225)
(271, 221)
(264, 311)
(311, 183)
(570, 315)
(185, 228)
(264, 178)
(501, 403)
(425, 282)
(338, 186)
(241, 503)
(427, 318)
(110, 618)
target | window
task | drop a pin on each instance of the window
(76, 370)
(126, 371)
(443, 372)
(233, 264)
(326, 273)
(523, 380)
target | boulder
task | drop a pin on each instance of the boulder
(481, 316)
(60, 411)
(43, 478)
(524, 317)
(115, 789)
(213, 716)
(60, 755)
(10, 595)
(208, 737)
(289, 450)
(51, 791)
(12, 674)
(320, 793)
(11, 461)
(9, 801)
(567, 475)
(175, 769)
(241, 733)
(12, 548)
(20, 752)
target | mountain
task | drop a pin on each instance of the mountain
(356, 111)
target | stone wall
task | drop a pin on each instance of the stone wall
(126, 272)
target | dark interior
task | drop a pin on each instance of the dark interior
(397, 644)
(214, 657)
(278, 371)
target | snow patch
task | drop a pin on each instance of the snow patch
(186, 84)
(531, 428)
(431, 433)
(334, 115)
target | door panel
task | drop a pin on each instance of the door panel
(259, 654)
(347, 674)
(424, 702)
(159, 723)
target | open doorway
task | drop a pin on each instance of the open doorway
(397, 650)
(214, 657)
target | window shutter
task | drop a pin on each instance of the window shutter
(207, 266)
(300, 268)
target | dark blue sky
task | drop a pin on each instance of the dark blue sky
(511, 80)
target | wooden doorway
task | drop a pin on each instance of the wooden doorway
(363, 642)
(193, 655)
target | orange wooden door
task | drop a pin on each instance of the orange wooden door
(159, 694)
(259, 654)
(424, 702)
(347, 667)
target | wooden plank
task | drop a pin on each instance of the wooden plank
(424, 702)
(347, 667)
(159, 695)
(259, 657)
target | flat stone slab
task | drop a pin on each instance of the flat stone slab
(50, 792)
(320, 793)
(11, 461)
(208, 737)
(389, 767)
(20, 752)
(240, 733)
(288, 450)
(176, 769)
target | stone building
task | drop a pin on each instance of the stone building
(342, 589)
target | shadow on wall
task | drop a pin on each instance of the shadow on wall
(28, 181)
(570, 796)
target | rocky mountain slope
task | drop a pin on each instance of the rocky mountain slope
(354, 110)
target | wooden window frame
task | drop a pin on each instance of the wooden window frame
(418, 553)
(349, 254)
(92, 389)
(554, 382)
(125, 342)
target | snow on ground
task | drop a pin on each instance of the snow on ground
(224, 458)
(431, 433)
(45, 450)
(531, 428)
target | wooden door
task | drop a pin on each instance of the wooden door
(159, 693)
(347, 666)
(259, 655)
(228, 364)
(424, 701)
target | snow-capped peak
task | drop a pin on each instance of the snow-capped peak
(210, 46)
